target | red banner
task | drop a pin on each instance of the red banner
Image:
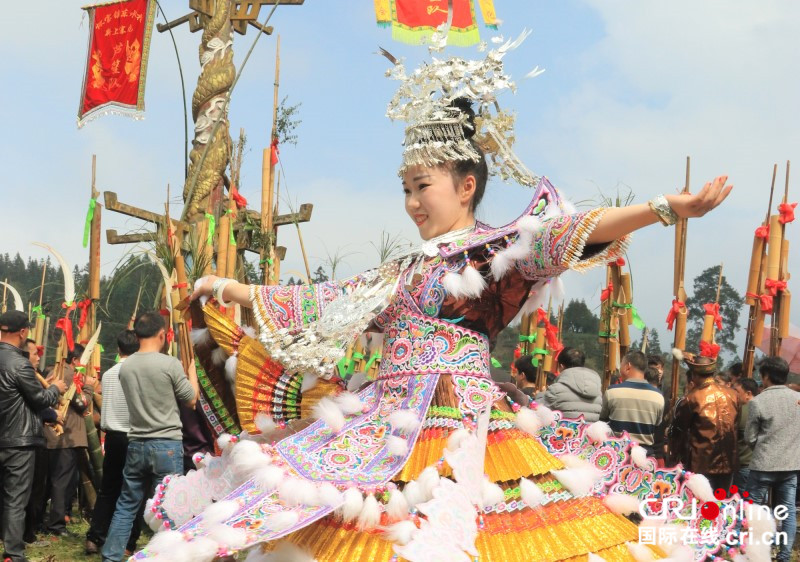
(413, 21)
(116, 64)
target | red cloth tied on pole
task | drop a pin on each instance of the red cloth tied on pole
(619, 261)
(765, 301)
(241, 202)
(673, 313)
(708, 349)
(712, 309)
(84, 307)
(787, 212)
(170, 336)
(773, 286)
(65, 325)
(116, 64)
(274, 152)
(77, 380)
(763, 232)
(550, 332)
(605, 294)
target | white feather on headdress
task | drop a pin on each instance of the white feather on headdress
(14, 293)
(69, 281)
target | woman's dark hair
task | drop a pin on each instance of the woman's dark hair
(525, 366)
(148, 324)
(776, 368)
(460, 169)
(127, 342)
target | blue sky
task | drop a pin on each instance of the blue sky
(630, 89)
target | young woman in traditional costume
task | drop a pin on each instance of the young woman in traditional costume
(430, 460)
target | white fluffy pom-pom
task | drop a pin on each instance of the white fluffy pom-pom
(760, 522)
(225, 440)
(281, 520)
(329, 495)
(677, 354)
(269, 478)
(248, 457)
(700, 487)
(218, 356)
(328, 411)
(370, 515)
(491, 493)
(640, 552)
(200, 336)
(456, 438)
(598, 431)
(528, 421)
(579, 481)
(429, 479)
(622, 504)
(230, 370)
(571, 460)
(219, 511)
(166, 542)
(397, 446)
(400, 533)
(404, 420)
(453, 284)
(531, 493)
(595, 558)
(501, 263)
(397, 506)
(201, 549)
(414, 493)
(265, 423)
(473, 282)
(349, 403)
(298, 491)
(639, 458)
(353, 503)
(545, 414)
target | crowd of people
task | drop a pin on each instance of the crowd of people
(727, 427)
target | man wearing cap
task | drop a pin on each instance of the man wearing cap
(709, 419)
(21, 398)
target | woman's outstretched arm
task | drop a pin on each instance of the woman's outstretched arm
(619, 221)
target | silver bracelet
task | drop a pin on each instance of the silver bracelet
(218, 288)
(660, 206)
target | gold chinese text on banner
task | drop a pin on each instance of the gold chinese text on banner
(116, 63)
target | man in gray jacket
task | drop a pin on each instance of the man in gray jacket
(772, 421)
(577, 390)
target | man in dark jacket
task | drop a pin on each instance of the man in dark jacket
(21, 398)
(577, 390)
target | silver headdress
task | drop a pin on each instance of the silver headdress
(435, 128)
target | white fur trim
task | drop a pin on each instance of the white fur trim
(282, 520)
(224, 441)
(353, 503)
(349, 403)
(579, 481)
(400, 533)
(571, 460)
(329, 495)
(247, 457)
(700, 487)
(270, 477)
(622, 504)
(456, 438)
(404, 420)
(414, 493)
(200, 336)
(166, 542)
(545, 414)
(397, 446)
(528, 421)
(370, 515)
(218, 512)
(473, 282)
(397, 506)
(677, 354)
(218, 356)
(429, 480)
(557, 291)
(759, 521)
(639, 458)
(250, 332)
(453, 284)
(230, 370)
(491, 493)
(356, 381)
(265, 423)
(598, 431)
(329, 412)
(531, 493)
(298, 491)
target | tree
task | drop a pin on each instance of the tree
(579, 319)
(653, 344)
(730, 304)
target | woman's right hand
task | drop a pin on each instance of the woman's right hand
(203, 287)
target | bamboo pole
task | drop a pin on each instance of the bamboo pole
(782, 274)
(755, 320)
(269, 256)
(681, 234)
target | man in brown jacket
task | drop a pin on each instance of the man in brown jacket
(706, 423)
(65, 451)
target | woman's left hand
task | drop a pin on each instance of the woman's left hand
(687, 205)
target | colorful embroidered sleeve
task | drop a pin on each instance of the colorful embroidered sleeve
(294, 306)
(561, 244)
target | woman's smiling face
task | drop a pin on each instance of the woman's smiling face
(435, 203)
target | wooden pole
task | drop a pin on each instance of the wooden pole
(782, 275)
(755, 321)
(269, 256)
(679, 341)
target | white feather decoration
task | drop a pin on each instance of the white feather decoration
(201, 549)
(473, 282)
(456, 438)
(598, 431)
(298, 491)
(529, 224)
(545, 414)
(700, 487)
(17, 299)
(66, 272)
(247, 457)
(640, 552)
(328, 411)
(265, 423)
(370, 515)
(224, 440)
(166, 542)
(90, 345)
(453, 284)
(353, 503)
(429, 479)
(397, 446)
(568, 207)
(622, 504)
(579, 481)
(677, 353)
(282, 520)
(491, 493)
(400, 533)
(527, 420)
(218, 356)
(397, 506)
(230, 370)
(557, 291)
(414, 493)
(200, 336)
(404, 420)
(573, 461)
(309, 382)
(232, 537)
(329, 495)
(639, 457)
(218, 512)
(349, 403)
(531, 493)
(269, 477)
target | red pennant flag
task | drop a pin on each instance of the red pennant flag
(116, 64)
